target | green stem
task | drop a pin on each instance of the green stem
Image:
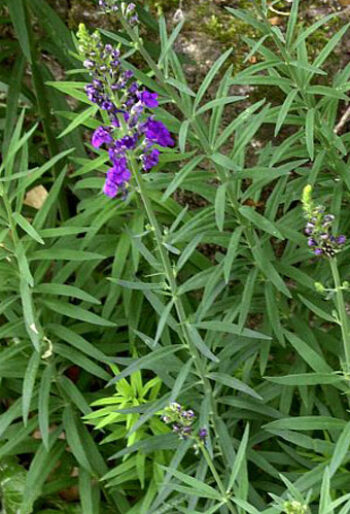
(170, 276)
(217, 479)
(343, 317)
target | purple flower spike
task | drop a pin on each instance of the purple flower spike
(102, 135)
(149, 99)
(131, 127)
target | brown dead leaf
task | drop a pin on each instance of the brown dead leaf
(36, 197)
(70, 495)
(344, 3)
(276, 20)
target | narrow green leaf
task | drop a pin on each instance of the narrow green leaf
(180, 176)
(41, 466)
(52, 288)
(199, 488)
(293, 18)
(242, 451)
(220, 203)
(211, 75)
(310, 30)
(79, 119)
(180, 86)
(89, 493)
(309, 132)
(65, 255)
(232, 252)
(74, 438)
(27, 227)
(75, 312)
(74, 395)
(146, 361)
(183, 135)
(28, 384)
(340, 450)
(163, 320)
(329, 47)
(327, 91)
(230, 328)
(307, 423)
(247, 297)
(306, 379)
(260, 221)
(79, 359)
(43, 403)
(234, 383)
(19, 20)
(285, 109)
(219, 102)
(312, 358)
(200, 344)
(188, 251)
(28, 314)
(317, 310)
(180, 380)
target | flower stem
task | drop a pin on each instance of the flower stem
(343, 317)
(217, 478)
(170, 276)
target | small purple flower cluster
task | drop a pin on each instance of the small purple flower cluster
(182, 421)
(318, 228)
(128, 9)
(127, 104)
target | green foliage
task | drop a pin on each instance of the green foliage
(211, 302)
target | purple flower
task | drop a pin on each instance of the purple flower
(328, 218)
(150, 160)
(128, 74)
(89, 64)
(110, 189)
(107, 105)
(341, 240)
(203, 434)
(186, 431)
(312, 242)
(130, 8)
(133, 89)
(318, 251)
(188, 414)
(148, 99)
(157, 133)
(102, 135)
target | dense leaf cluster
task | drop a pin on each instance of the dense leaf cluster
(113, 309)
